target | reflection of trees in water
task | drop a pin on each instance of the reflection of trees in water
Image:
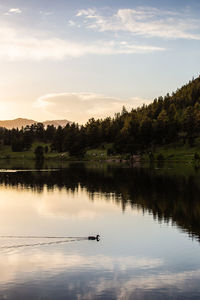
(168, 197)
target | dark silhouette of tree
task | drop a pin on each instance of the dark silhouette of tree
(39, 153)
(17, 145)
(46, 149)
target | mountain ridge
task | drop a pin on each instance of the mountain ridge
(23, 122)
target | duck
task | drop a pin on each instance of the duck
(92, 237)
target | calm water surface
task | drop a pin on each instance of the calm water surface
(148, 219)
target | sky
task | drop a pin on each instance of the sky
(79, 59)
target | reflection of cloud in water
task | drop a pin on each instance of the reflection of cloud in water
(32, 264)
(16, 204)
(39, 264)
(75, 205)
(183, 282)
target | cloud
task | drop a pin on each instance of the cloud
(71, 23)
(14, 11)
(144, 21)
(46, 13)
(21, 44)
(79, 107)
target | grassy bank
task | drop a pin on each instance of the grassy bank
(92, 154)
(176, 152)
(7, 153)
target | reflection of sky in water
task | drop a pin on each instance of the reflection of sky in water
(136, 258)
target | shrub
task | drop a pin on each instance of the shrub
(196, 156)
(46, 149)
(39, 153)
(160, 157)
(110, 151)
(151, 156)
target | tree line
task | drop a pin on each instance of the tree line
(166, 120)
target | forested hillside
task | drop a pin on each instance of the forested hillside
(168, 119)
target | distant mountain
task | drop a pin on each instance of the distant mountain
(21, 122)
(57, 123)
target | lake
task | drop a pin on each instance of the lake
(148, 219)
